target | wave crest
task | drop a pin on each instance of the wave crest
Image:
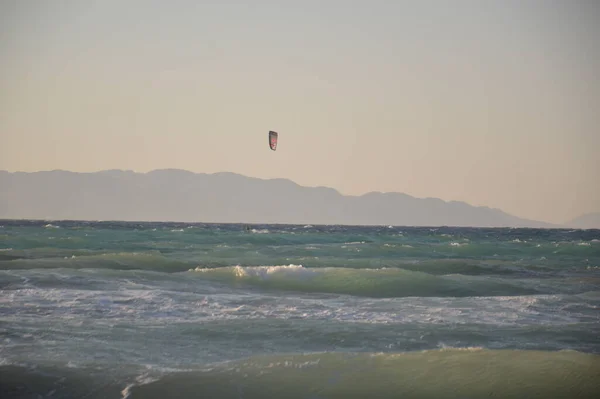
(383, 282)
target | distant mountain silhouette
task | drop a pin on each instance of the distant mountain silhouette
(178, 195)
(587, 221)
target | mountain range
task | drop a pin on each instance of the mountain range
(183, 196)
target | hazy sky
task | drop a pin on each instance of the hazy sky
(495, 103)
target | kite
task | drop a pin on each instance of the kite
(273, 140)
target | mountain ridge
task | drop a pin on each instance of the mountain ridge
(183, 196)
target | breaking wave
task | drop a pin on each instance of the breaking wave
(384, 282)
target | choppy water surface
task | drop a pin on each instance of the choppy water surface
(107, 309)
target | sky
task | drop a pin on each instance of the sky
(495, 103)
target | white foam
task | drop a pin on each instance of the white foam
(265, 272)
(126, 392)
(443, 347)
(292, 364)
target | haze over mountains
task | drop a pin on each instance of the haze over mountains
(587, 221)
(178, 195)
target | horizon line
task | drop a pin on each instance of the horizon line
(555, 227)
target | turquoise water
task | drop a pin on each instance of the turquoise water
(109, 309)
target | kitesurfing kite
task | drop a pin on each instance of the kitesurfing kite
(273, 140)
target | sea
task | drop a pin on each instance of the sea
(118, 310)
